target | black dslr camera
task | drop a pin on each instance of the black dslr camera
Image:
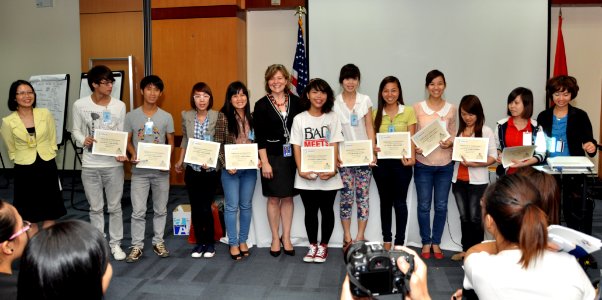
(373, 270)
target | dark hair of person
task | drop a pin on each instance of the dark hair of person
(320, 85)
(472, 105)
(230, 112)
(271, 71)
(549, 192)
(64, 261)
(152, 80)
(378, 119)
(512, 203)
(8, 221)
(12, 94)
(349, 71)
(527, 96)
(98, 74)
(201, 87)
(430, 76)
(560, 84)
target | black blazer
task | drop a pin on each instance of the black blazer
(578, 129)
(269, 132)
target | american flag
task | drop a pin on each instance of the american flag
(300, 76)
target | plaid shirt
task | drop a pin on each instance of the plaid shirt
(223, 136)
(200, 131)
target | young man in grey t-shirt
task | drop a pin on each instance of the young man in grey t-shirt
(148, 124)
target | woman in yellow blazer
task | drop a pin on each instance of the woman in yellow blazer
(30, 136)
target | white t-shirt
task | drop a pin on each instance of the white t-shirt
(310, 131)
(554, 275)
(88, 116)
(362, 106)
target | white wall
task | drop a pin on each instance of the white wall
(271, 39)
(36, 41)
(582, 32)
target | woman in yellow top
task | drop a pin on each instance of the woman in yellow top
(30, 136)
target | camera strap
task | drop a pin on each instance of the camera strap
(357, 283)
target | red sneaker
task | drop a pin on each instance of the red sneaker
(321, 254)
(311, 253)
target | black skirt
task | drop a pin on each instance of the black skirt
(282, 183)
(37, 191)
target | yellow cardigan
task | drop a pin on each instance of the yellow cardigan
(15, 137)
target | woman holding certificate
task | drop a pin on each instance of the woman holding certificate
(315, 135)
(235, 126)
(201, 181)
(518, 129)
(354, 110)
(30, 136)
(273, 115)
(434, 171)
(470, 179)
(393, 175)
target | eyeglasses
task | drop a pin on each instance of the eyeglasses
(201, 96)
(26, 227)
(23, 93)
(107, 82)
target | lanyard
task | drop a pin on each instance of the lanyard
(283, 119)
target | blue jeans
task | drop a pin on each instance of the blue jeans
(238, 193)
(427, 179)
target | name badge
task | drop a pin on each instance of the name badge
(286, 150)
(148, 127)
(559, 146)
(527, 138)
(391, 128)
(207, 137)
(252, 135)
(327, 135)
(353, 119)
(106, 117)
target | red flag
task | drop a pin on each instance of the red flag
(560, 58)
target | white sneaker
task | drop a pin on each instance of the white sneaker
(311, 253)
(117, 252)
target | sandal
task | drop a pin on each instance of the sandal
(346, 245)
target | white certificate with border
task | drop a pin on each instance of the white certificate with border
(356, 153)
(241, 156)
(518, 153)
(317, 159)
(153, 156)
(473, 149)
(110, 143)
(428, 138)
(394, 145)
(201, 152)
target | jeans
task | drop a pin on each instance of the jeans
(393, 179)
(427, 179)
(314, 201)
(110, 179)
(201, 188)
(238, 194)
(468, 198)
(141, 183)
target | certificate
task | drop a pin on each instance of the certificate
(200, 152)
(317, 159)
(153, 156)
(356, 153)
(394, 145)
(110, 143)
(241, 156)
(519, 153)
(428, 138)
(471, 149)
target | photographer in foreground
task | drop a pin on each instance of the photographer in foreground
(417, 280)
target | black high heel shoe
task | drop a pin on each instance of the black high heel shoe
(235, 256)
(287, 252)
(276, 253)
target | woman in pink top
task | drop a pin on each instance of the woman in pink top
(434, 171)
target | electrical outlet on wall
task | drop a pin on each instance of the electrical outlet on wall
(43, 3)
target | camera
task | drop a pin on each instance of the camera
(375, 269)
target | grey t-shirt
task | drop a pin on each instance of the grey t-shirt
(162, 124)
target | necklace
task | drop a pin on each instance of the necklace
(281, 105)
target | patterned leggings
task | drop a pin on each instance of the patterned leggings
(356, 184)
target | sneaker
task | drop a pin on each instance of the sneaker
(321, 254)
(197, 251)
(118, 254)
(311, 253)
(134, 255)
(160, 250)
(210, 252)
